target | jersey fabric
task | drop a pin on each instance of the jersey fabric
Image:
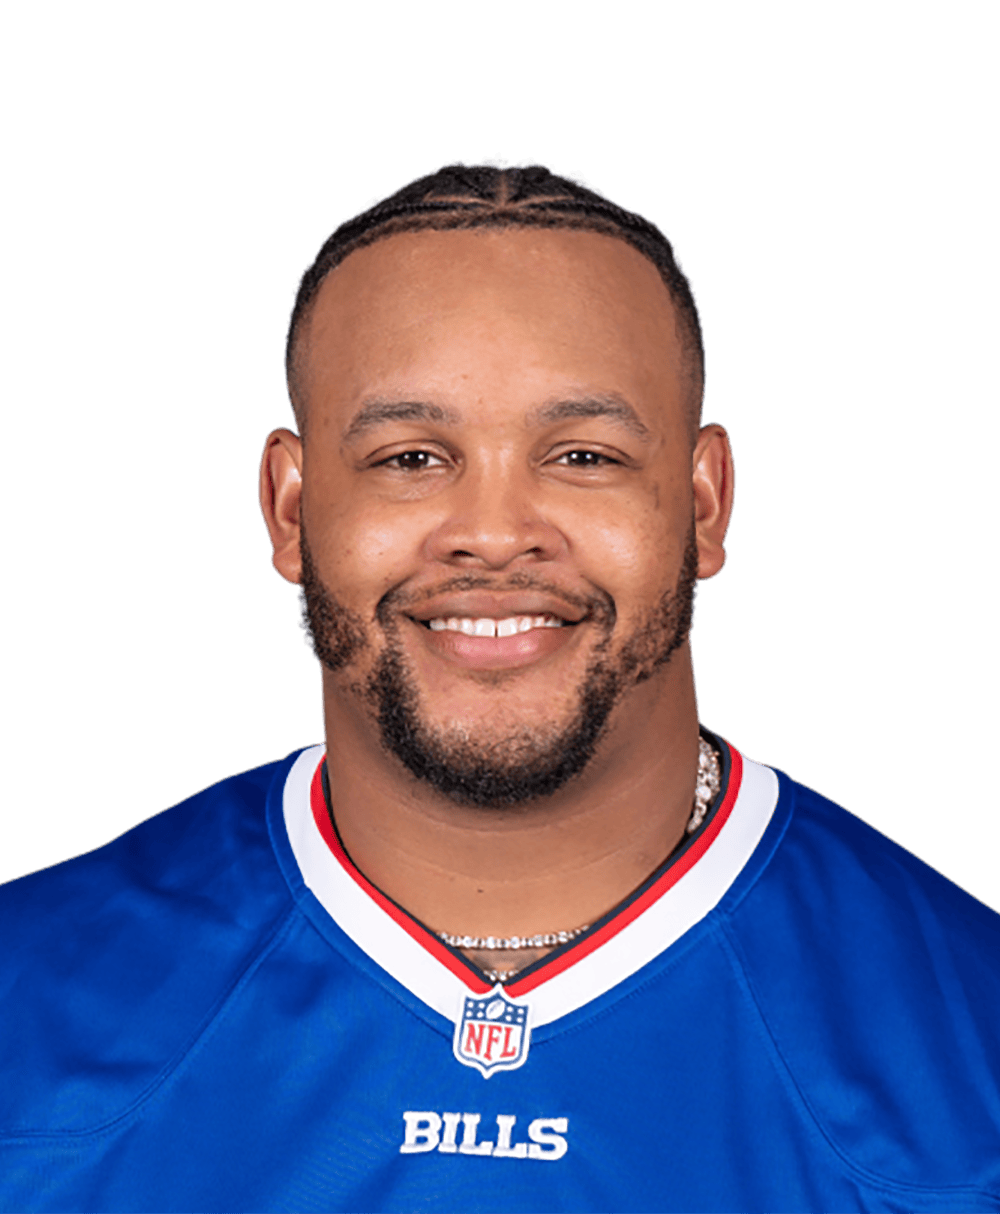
(218, 1012)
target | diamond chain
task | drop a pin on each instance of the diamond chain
(508, 943)
(706, 785)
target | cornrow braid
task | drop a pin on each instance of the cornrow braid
(480, 196)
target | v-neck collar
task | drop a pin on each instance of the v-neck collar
(676, 897)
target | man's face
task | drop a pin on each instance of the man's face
(497, 522)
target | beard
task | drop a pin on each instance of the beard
(524, 764)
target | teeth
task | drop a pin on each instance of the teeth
(507, 627)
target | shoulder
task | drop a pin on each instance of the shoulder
(121, 953)
(197, 844)
(833, 870)
(878, 981)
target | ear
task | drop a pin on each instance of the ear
(280, 500)
(712, 473)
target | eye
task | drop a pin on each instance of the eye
(584, 459)
(412, 461)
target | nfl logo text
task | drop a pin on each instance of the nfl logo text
(492, 1033)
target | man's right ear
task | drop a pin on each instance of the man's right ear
(281, 500)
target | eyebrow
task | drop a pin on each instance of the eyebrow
(379, 412)
(610, 406)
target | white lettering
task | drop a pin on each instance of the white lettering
(429, 1131)
(469, 1145)
(505, 1125)
(451, 1121)
(546, 1138)
(422, 1132)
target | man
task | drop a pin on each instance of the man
(521, 937)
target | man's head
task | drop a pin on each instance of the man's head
(499, 428)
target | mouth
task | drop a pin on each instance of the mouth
(490, 626)
(495, 642)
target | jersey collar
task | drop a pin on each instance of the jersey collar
(667, 907)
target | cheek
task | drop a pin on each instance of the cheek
(634, 552)
(361, 553)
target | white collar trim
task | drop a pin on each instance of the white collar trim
(390, 946)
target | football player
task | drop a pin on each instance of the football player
(522, 935)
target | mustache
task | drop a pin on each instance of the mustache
(599, 605)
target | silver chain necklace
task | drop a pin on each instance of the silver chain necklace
(707, 784)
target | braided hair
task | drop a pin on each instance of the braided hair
(480, 196)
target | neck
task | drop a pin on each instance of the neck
(552, 865)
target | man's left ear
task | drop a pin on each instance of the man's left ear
(712, 475)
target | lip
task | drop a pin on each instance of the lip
(496, 653)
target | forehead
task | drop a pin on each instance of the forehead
(507, 312)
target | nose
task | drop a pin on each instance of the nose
(494, 519)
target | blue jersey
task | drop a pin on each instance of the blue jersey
(218, 1012)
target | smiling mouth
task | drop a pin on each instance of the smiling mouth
(486, 626)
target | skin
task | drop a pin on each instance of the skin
(490, 328)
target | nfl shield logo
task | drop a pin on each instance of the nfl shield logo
(492, 1033)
